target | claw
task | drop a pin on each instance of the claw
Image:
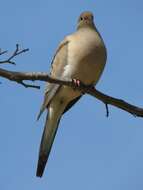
(77, 82)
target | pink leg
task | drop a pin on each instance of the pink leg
(77, 82)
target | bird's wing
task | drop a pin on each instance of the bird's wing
(57, 68)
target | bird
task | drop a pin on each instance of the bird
(80, 57)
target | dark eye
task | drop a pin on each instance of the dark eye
(81, 18)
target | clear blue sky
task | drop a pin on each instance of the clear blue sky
(90, 150)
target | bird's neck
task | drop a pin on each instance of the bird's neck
(84, 25)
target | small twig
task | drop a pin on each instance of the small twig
(29, 85)
(107, 110)
(15, 53)
(2, 52)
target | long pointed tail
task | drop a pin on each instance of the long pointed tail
(48, 136)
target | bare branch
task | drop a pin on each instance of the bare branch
(19, 77)
(15, 53)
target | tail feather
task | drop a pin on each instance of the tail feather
(41, 165)
(47, 140)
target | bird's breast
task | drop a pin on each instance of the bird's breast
(86, 58)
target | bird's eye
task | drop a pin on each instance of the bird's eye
(81, 18)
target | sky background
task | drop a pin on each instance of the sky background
(90, 151)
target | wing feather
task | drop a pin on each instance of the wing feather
(58, 63)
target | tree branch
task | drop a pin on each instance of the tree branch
(14, 54)
(19, 77)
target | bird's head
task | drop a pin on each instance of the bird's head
(86, 19)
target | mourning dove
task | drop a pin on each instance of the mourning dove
(80, 56)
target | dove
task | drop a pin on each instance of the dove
(80, 57)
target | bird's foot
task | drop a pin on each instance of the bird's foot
(76, 82)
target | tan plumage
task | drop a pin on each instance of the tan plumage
(81, 55)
